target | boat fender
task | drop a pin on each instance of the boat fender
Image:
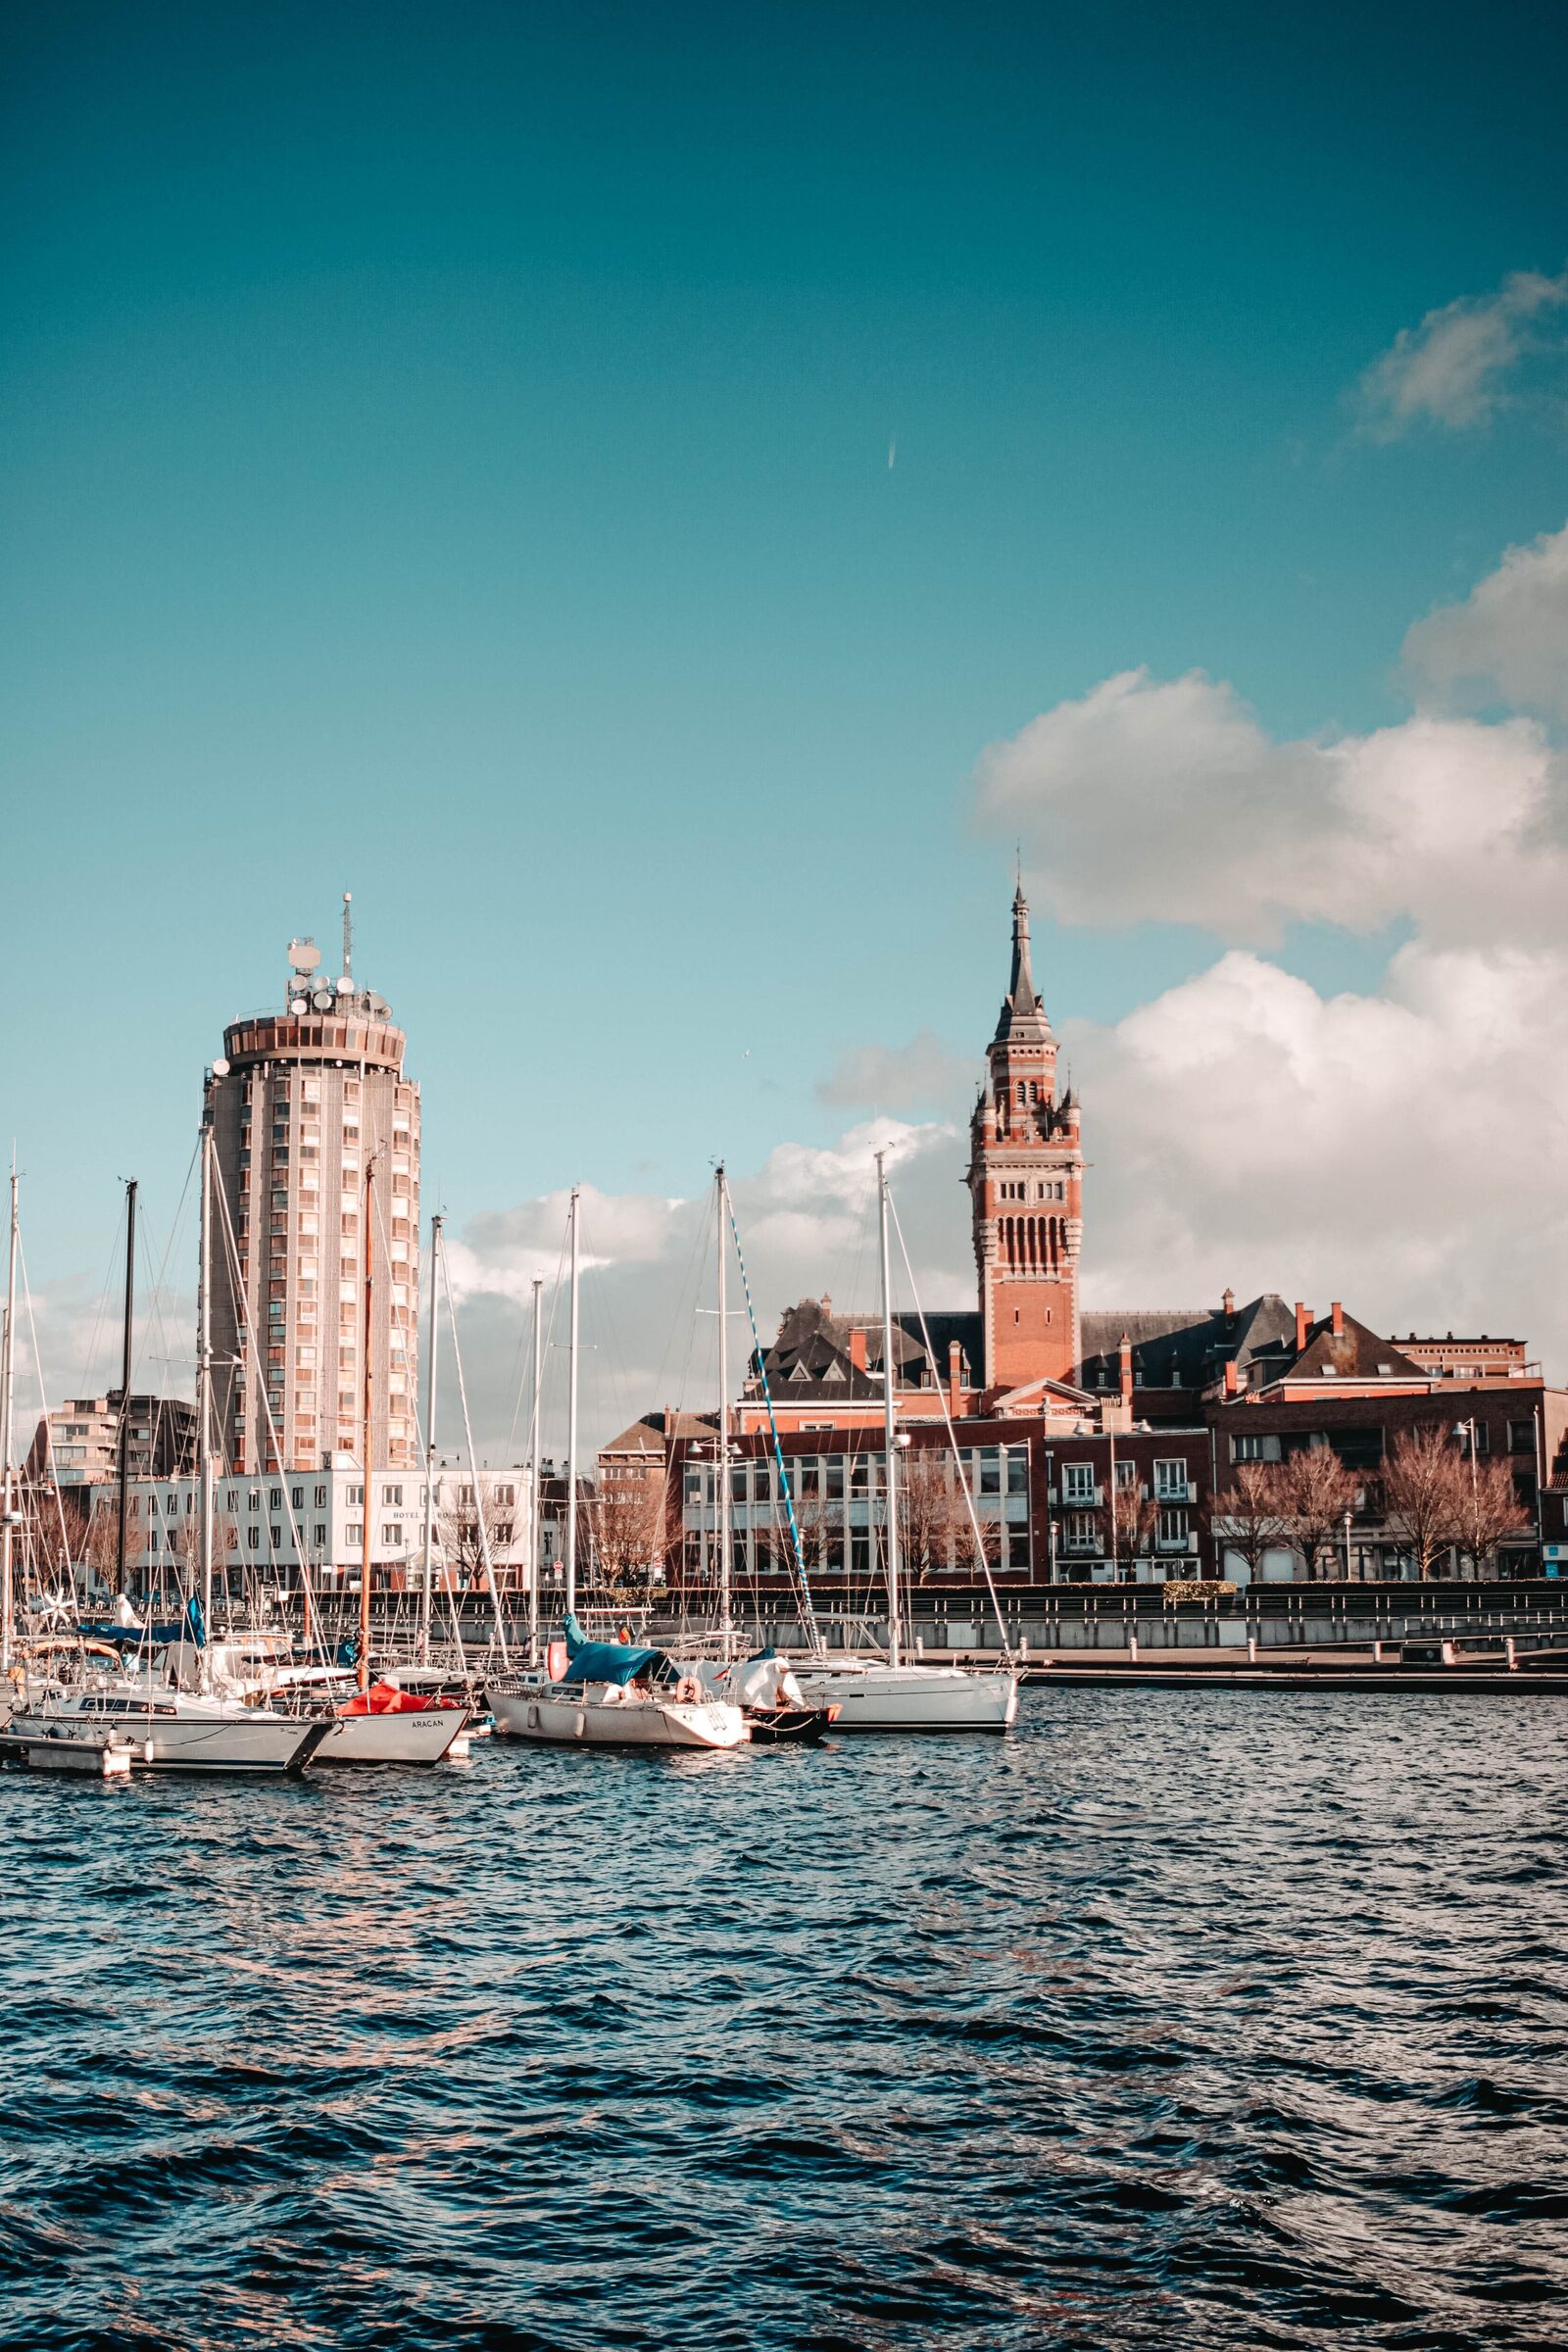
(687, 1690)
(579, 1724)
(148, 1750)
(534, 1719)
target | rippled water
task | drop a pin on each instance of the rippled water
(1179, 2019)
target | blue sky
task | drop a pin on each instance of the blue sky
(445, 453)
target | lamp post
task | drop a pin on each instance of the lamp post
(1459, 1430)
(1051, 1516)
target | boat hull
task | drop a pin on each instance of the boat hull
(401, 1738)
(771, 1727)
(879, 1697)
(58, 1751)
(249, 1741)
(582, 1720)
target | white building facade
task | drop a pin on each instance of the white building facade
(263, 1527)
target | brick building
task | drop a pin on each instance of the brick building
(77, 1445)
(1057, 1409)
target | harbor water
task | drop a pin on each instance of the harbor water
(1188, 2019)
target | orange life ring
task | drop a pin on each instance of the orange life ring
(688, 1690)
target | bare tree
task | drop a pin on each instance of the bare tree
(816, 1521)
(1490, 1509)
(1427, 1492)
(467, 1523)
(1318, 1492)
(99, 1551)
(626, 1528)
(933, 1516)
(1127, 1522)
(1256, 1513)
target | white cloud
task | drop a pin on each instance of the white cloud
(807, 1220)
(1402, 1151)
(918, 1076)
(1165, 801)
(1450, 371)
(1507, 642)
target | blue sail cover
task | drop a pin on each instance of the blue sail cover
(602, 1661)
(108, 1630)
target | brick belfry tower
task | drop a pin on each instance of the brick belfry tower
(1025, 1179)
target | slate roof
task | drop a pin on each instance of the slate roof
(1352, 1353)
(648, 1434)
(1179, 1347)
(810, 1357)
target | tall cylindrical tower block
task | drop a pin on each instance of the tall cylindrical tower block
(299, 1105)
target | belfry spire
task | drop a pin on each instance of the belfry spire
(1022, 1015)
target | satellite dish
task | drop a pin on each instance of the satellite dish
(323, 999)
(220, 1069)
(303, 955)
(296, 1005)
(345, 987)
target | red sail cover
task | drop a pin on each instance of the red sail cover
(385, 1698)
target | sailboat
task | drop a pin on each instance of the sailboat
(381, 1722)
(764, 1684)
(611, 1694)
(167, 1727)
(891, 1692)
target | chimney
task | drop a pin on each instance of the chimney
(1304, 1319)
(1125, 1366)
(1337, 1312)
(1232, 1377)
(858, 1349)
(955, 1376)
(1228, 1306)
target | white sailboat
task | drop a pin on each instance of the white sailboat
(610, 1695)
(167, 1728)
(892, 1694)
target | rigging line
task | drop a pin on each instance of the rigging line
(947, 1419)
(535, 1416)
(43, 1405)
(117, 1259)
(231, 1264)
(817, 1644)
(157, 1329)
(480, 1513)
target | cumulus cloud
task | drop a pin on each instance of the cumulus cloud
(917, 1076)
(1150, 799)
(1451, 368)
(1507, 642)
(807, 1218)
(1401, 1150)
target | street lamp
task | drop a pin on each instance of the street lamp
(1051, 1516)
(1460, 1429)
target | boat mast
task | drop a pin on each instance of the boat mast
(533, 1474)
(124, 1497)
(721, 1491)
(7, 1420)
(572, 1425)
(204, 1392)
(890, 1539)
(429, 1441)
(363, 1671)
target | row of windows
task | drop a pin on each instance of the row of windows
(1079, 1481)
(1361, 1448)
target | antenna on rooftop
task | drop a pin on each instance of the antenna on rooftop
(348, 939)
